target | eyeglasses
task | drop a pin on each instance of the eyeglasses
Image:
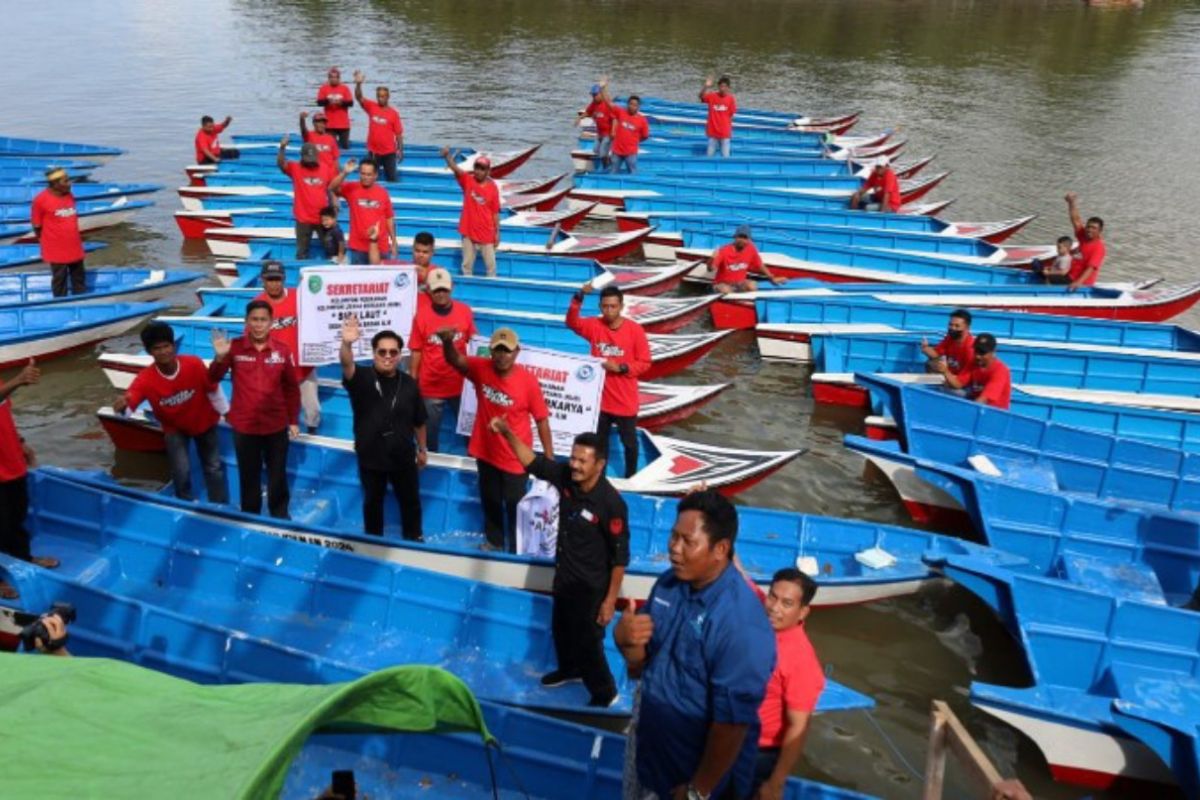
(387, 352)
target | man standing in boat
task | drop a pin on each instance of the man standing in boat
(987, 379)
(310, 191)
(179, 392)
(208, 143)
(56, 226)
(622, 345)
(704, 651)
(957, 347)
(589, 563)
(479, 222)
(440, 383)
(630, 129)
(600, 111)
(1092, 250)
(16, 457)
(503, 388)
(263, 411)
(385, 129)
(285, 328)
(733, 264)
(328, 152)
(389, 430)
(881, 191)
(722, 105)
(370, 206)
(335, 97)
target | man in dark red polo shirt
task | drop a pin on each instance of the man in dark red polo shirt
(328, 152)
(881, 191)
(722, 105)
(286, 328)
(310, 191)
(385, 130)
(370, 206)
(208, 143)
(479, 222)
(262, 413)
(56, 226)
(622, 344)
(336, 98)
(987, 380)
(957, 347)
(1092, 250)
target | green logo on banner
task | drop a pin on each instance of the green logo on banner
(314, 283)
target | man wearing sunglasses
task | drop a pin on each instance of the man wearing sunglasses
(56, 226)
(336, 98)
(388, 418)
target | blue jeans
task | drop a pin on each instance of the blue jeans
(434, 409)
(603, 146)
(358, 258)
(712, 147)
(630, 163)
(209, 453)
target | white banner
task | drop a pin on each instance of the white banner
(383, 298)
(571, 384)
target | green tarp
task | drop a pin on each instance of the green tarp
(83, 727)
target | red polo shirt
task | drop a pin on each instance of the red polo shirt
(481, 204)
(625, 345)
(367, 206)
(517, 397)
(336, 101)
(60, 240)
(208, 141)
(796, 684)
(310, 190)
(601, 113)
(328, 152)
(180, 401)
(991, 384)
(888, 188)
(384, 126)
(1091, 254)
(629, 130)
(959, 353)
(437, 378)
(734, 266)
(721, 109)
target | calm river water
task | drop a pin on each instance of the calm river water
(1022, 99)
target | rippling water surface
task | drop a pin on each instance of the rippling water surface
(1022, 100)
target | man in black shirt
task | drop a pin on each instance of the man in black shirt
(388, 416)
(593, 551)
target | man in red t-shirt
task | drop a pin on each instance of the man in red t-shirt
(502, 388)
(328, 152)
(630, 129)
(1092, 250)
(310, 191)
(600, 111)
(336, 98)
(957, 347)
(385, 130)
(626, 352)
(16, 457)
(479, 222)
(370, 206)
(722, 105)
(733, 264)
(987, 380)
(880, 192)
(440, 383)
(285, 327)
(56, 226)
(208, 145)
(180, 395)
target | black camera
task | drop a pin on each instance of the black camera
(37, 629)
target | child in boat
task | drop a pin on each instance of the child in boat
(1056, 271)
(330, 234)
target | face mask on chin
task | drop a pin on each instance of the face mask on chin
(953, 334)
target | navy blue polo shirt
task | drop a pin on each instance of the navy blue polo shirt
(709, 660)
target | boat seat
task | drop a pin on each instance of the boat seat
(1034, 474)
(1129, 581)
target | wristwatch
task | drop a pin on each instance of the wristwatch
(695, 794)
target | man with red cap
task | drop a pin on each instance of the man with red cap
(336, 98)
(479, 222)
(56, 226)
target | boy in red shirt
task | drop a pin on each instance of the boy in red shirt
(285, 327)
(733, 263)
(310, 191)
(56, 226)
(987, 380)
(622, 344)
(439, 382)
(722, 105)
(370, 205)
(1092, 250)
(208, 145)
(881, 189)
(328, 152)
(479, 222)
(502, 388)
(179, 391)
(16, 457)
(385, 130)
(601, 112)
(957, 347)
(266, 401)
(630, 129)
(335, 97)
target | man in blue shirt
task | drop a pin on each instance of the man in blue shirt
(704, 651)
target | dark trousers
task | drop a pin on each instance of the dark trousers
(342, 135)
(764, 765)
(227, 154)
(499, 493)
(209, 451)
(627, 429)
(578, 640)
(385, 164)
(254, 451)
(14, 505)
(304, 236)
(58, 278)
(435, 407)
(406, 486)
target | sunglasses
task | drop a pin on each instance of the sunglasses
(387, 352)
(273, 278)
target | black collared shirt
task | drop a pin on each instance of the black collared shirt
(386, 412)
(593, 527)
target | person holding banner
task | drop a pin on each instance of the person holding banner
(440, 383)
(370, 205)
(262, 413)
(388, 417)
(503, 388)
(589, 562)
(479, 222)
(285, 327)
(623, 345)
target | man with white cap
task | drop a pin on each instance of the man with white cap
(881, 192)
(733, 263)
(503, 388)
(56, 227)
(440, 383)
(479, 222)
(310, 191)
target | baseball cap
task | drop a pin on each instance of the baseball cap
(272, 269)
(742, 230)
(483, 161)
(506, 338)
(439, 278)
(882, 161)
(308, 152)
(55, 173)
(595, 88)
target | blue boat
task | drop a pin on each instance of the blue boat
(11, 146)
(1162, 710)
(45, 331)
(24, 255)
(17, 175)
(231, 175)
(700, 111)
(24, 194)
(104, 285)
(698, 148)
(12, 213)
(829, 187)
(41, 165)
(678, 167)
(93, 215)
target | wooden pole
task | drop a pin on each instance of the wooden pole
(946, 731)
